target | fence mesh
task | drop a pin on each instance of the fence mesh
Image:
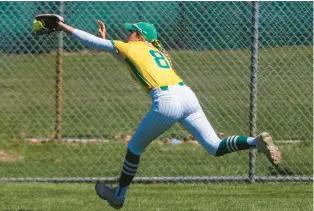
(210, 45)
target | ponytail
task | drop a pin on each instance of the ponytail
(157, 44)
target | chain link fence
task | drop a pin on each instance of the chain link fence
(67, 111)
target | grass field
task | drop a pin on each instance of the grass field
(100, 100)
(104, 160)
(163, 160)
(161, 197)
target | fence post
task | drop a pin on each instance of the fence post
(59, 80)
(253, 87)
(181, 32)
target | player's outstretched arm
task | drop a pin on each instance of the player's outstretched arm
(66, 28)
(89, 39)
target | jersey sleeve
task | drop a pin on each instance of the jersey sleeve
(93, 41)
(122, 48)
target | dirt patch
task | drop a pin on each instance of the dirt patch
(7, 157)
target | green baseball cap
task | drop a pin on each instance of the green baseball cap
(148, 30)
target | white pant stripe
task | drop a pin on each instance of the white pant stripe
(128, 173)
(227, 144)
(231, 144)
(235, 143)
(129, 169)
(130, 164)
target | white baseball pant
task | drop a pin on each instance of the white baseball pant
(176, 104)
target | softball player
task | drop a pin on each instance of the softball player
(172, 101)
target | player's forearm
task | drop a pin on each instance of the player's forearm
(93, 41)
(88, 39)
(64, 27)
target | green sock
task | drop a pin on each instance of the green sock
(233, 144)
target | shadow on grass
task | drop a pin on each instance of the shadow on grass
(282, 171)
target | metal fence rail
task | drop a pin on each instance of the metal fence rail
(66, 111)
(163, 179)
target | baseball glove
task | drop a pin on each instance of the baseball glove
(49, 21)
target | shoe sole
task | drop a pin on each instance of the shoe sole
(270, 150)
(98, 193)
(112, 205)
(115, 206)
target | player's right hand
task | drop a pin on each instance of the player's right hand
(101, 29)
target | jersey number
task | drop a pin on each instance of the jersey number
(160, 59)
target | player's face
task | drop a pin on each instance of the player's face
(132, 36)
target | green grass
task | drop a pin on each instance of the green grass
(160, 160)
(161, 197)
(100, 99)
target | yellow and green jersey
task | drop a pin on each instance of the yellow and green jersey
(147, 65)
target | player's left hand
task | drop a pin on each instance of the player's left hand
(102, 29)
(50, 22)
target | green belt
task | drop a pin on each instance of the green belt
(164, 88)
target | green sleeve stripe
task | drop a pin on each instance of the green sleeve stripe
(114, 46)
(113, 43)
(137, 73)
